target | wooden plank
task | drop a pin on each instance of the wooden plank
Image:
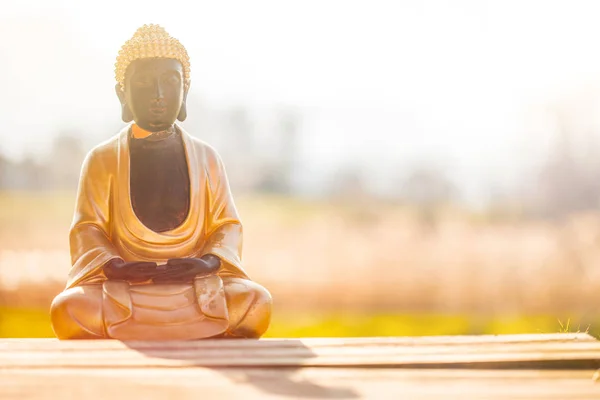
(371, 368)
(12, 344)
(286, 383)
(542, 351)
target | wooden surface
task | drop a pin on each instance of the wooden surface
(553, 366)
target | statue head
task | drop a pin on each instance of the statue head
(153, 79)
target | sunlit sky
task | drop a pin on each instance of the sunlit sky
(379, 83)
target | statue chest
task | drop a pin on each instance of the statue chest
(159, 182)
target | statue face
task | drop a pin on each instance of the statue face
(154, 92)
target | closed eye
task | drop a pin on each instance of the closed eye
(141, 82)
(172, 79)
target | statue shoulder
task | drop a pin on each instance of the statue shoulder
(103, 156)
(208, 153)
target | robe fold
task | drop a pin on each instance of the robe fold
(105, 225)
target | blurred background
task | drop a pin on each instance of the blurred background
(400, 167)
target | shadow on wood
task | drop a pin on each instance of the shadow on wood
(288, 382)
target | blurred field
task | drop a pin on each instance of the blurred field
(360, 269)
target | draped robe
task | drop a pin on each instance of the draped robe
(105, 226)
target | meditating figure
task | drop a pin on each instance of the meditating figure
(156, 239)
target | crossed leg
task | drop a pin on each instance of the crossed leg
(76, 313)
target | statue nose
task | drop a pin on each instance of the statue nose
(158, 91)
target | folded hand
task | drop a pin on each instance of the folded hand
(134, 271)
(186, 269)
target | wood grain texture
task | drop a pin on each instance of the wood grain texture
(553, 351)
(291, 383)
(555, 366)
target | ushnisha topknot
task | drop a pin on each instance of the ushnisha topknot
(151, 41)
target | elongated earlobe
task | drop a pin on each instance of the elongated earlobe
(182, 112)
(126, 113)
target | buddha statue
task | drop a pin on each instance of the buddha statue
(156, 239)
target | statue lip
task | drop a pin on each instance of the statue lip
(158, 110)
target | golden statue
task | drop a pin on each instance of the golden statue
(156, 239)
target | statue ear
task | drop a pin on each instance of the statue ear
(126, 113)
(183, 110)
